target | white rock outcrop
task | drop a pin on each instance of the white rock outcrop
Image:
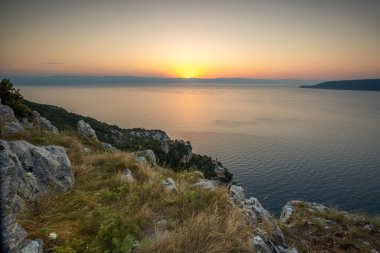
(26, 173)
(288, 210)
(169, 184)
(8, 123)
(86, 130)
(44, 123)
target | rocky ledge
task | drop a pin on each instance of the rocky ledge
(27, 173)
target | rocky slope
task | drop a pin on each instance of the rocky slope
(176, 154)
(70, 192)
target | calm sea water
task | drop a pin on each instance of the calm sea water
(282, 143)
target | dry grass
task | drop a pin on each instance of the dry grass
(105, 213)
(213, 230)
(331, 231)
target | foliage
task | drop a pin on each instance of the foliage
(12, 97)
(65, 120)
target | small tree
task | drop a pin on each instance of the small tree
(12, 97)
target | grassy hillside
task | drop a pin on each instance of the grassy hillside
(106, 213)
(67, 121)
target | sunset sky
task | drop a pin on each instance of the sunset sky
(299, 39)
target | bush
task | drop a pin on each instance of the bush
(12, 97)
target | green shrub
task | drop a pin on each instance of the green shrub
(12, 97)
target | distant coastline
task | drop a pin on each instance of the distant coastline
(141, 80)
(364, 84)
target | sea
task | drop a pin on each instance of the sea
(281, 142)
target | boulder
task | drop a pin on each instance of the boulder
(32, 246)
(8, 123)
(108, 147)
(6, 113)
(141, 159)
(26, 173)
(48, 165)
(127, 176)
(258, 215)
(13, 128)
(26, 124)
(259, 244)
(44, 123)
(86, 130)
(237, 194)
(169, 185)
(148, 154)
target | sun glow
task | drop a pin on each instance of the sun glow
(187, 72)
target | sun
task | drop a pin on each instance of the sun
(188, 72)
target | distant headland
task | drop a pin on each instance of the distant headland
(364, 84)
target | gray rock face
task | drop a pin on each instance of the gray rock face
(108, 147)
(8, 123)
(169, 185)
(127, 176)
(288, 210)
(86, 130)
(258, 243)
(257, 215)
(207, 184)
(237, 193)
(44, 123)
(117, 136)
(13, 128)
(26, 124)
(26, 173)
(6, 113)
(49, 165)
(154, 134)
(32, 246)
(148, 154)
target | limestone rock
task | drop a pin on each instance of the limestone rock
(45, 124)
(127, 176)
(13, 128)
(288, 209)
(258, 243)
(49, 165)
(148, 154)
(154, 134)
(26, 173)
(32, 246)
(8, 122)
(6, 113)
(237, 194)
(169, 184)
(207, 184)
(108, 147)
(141, 159)
(86, 130)
(26, 124)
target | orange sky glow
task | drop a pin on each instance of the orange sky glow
(208, 39)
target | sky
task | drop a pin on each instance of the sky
(297, 39)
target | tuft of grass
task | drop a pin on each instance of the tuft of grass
(213, 230)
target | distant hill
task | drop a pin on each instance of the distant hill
(364, 84)
(139, 80)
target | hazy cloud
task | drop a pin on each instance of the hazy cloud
(53, 63)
